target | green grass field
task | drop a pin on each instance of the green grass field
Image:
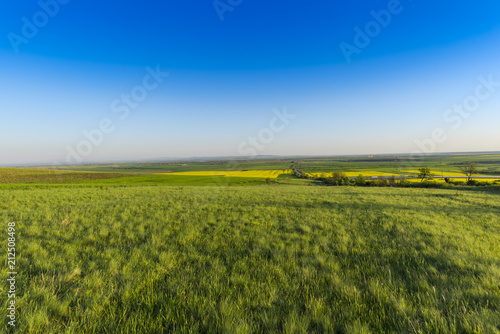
(101, 257)
(117, 248)
(44, 176)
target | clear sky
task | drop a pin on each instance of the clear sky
(358, 77)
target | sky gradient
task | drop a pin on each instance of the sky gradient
(67, 66)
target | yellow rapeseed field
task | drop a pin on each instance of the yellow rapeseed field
(436, 172)
(272, 174)
(440, 180)
(353, 174)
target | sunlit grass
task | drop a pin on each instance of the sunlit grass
(152, 259)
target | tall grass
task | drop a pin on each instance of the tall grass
(255, 259)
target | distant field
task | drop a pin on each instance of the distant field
(40, 177)
(20, 175)
(230, 165)
(447, 173)
(489, 164)
(353, 174)
(180, 180)
(247, 173)
(127, 180)
(260, 259)
(462, 180)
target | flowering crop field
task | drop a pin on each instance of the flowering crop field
(438, 173)
(378, 173)
(441, 180)
(353, 174)
(246, 173)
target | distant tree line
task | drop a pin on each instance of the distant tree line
(425, 175)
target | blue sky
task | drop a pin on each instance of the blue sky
(228, 77)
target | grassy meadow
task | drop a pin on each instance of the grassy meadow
(216, 253)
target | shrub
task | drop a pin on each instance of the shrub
(472, 182)
(338, 179)
(360, 180)
(392, 181)
(402, 182)
(381, 182)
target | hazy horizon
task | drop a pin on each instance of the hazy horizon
(189, 159)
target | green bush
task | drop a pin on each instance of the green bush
(381, 183)
(339, 178)
(402, 182)
(360, 180)
(392, 181)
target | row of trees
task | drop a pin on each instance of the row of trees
(339, 178)
(469, 169)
